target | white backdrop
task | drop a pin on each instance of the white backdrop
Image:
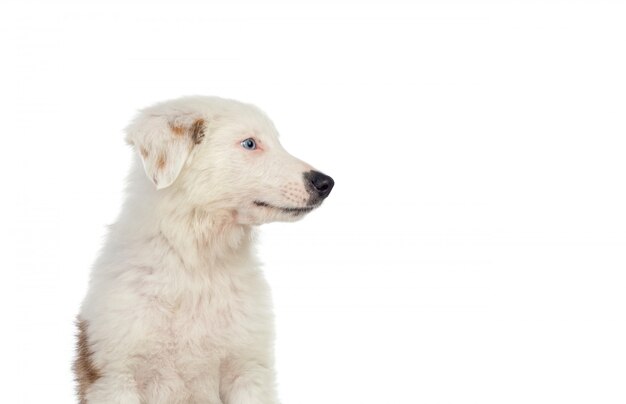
(473, 249)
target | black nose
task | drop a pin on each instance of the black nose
(319, 184)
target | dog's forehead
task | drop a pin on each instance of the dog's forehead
(259, 122)
(250, 122)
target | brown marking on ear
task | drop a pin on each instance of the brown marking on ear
(161, 161)
(84, 369)
(143, 151)
(177, 129)
(197, 131)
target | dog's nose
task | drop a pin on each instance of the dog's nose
(320, 183)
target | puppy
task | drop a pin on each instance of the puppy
(177, 309)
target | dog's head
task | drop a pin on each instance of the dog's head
(224, 154)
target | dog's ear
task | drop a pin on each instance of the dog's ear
(164, 142)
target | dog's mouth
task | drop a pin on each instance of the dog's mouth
(291, 210)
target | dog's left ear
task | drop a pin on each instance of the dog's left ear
(164, 143)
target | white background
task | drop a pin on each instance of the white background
(474, 247)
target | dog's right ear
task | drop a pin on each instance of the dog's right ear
(164, 142)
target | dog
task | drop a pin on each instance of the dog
(177, 310)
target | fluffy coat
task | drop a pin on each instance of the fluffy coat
(177, 309)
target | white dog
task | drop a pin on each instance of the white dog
(177, 309)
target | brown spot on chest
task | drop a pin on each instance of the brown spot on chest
(84, 369)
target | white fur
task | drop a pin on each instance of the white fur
(177, 309)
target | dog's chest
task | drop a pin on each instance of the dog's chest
(217, 314)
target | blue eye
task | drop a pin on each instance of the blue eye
(249, 144)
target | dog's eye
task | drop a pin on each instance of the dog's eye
(249, 144)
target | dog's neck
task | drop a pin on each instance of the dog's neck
(202, 238)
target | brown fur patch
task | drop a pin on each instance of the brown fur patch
(197, 131)
(161, 161)
(177, 129)
(144, 152)
(84, 369)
